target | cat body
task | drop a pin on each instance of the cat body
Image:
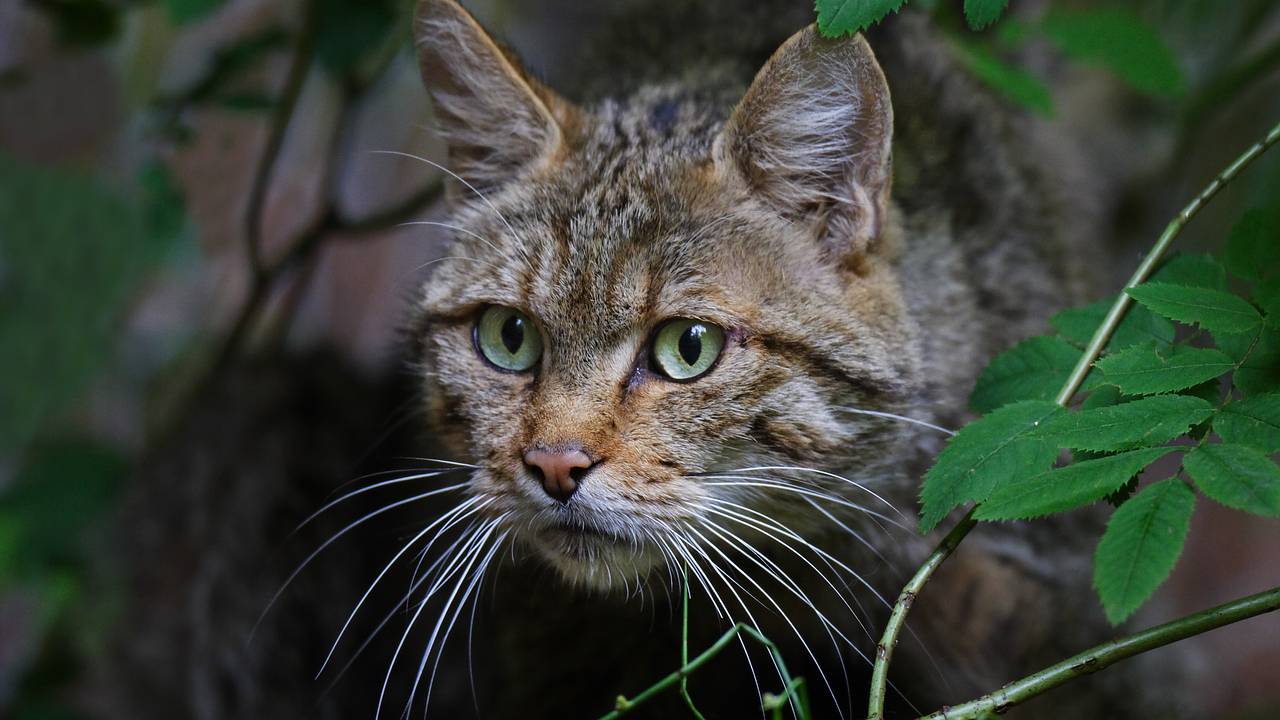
(867, 229)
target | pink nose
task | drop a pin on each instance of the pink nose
(559, 471)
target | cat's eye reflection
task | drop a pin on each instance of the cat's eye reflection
(508, 339)
(685, 349)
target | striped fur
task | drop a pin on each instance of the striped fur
(850, 269)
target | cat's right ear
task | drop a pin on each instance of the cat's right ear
(497, 120)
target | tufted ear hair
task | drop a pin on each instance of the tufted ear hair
(497, 120)
(812, 137)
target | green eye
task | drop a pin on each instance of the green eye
(684, 349)
(507, 338)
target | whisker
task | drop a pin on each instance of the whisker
(455, 228)
(778, 484)
(895, 416)
(466, 555)
(692, 564)
(477, 576)
(459, 178)
(333, 538)
(785, 580)
(823, 473)
(392, 562)
(368, 488)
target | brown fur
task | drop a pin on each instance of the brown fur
(768, 208)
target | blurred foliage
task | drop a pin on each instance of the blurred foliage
(74, 253)
(348, 30)
(77, 248)
(48, 518)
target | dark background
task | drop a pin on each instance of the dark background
(154, 275)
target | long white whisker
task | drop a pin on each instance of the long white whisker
(448, 226)
(894, 416)
(477, 576)
(692, 564)
(459, 178)
(777, 484)
(392, 562)
(466, 555)
(332, 539)
(823, 473)
(729, 585)
(375, 486)
(783, 579)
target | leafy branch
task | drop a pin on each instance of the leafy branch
(1240, 476)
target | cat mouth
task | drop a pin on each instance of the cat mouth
(576, 540)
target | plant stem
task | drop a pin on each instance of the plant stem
(793, 689)
(1111, 652)
(296, 77)
(1171, 231)
(898, 616)
(684, 649)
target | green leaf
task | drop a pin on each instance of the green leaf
(1119, 40)
(991, 451)
(1141, 545)
(980, 14)
(1101, 396)
(1139, 325)
(845, 17)
(1066, 488)
(1254, 422)
(1253, 248)
(1210, 309)
(1197, 270)
(1259, 357)
(182, 12)
(1034, 369)
(1140, 370)
(59, 491)
(1141, 423)
(1236, 476)
(1267, 295)
(349, 30)
(1015, 84)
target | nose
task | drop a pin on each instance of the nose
(559, 471)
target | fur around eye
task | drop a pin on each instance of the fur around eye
(508, 339)
(685, 349)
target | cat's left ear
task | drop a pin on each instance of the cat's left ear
(811, 138)
(497, 120)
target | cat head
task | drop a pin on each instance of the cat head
(658, 308)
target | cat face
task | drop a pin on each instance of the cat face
(657, 309)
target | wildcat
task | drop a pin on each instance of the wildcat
(708, 313)
(679, 295)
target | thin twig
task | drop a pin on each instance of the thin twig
(898, 616)
(1111, 652)
(299, 66)
(625, 705)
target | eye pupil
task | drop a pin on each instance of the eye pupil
(690, 344)
(512, 333)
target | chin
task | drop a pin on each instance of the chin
(594, 560)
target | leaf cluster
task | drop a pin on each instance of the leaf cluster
(1186, 393)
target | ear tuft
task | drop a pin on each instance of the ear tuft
(496, 119)
(812, 138)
